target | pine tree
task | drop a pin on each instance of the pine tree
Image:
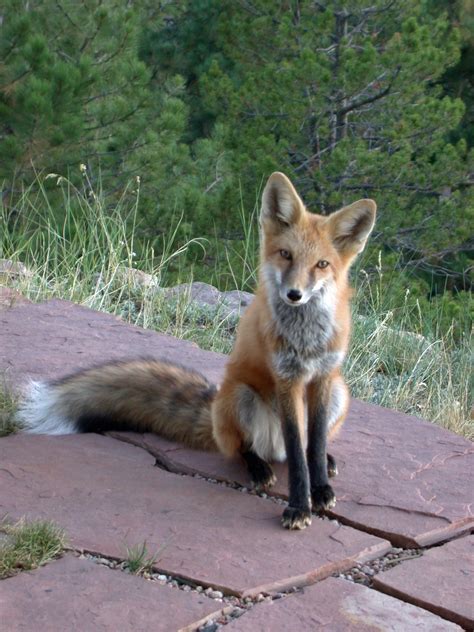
(345, 98)
(73, 90)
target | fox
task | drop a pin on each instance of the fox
(282, 396)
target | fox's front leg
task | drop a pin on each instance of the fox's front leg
(291, 404)
(322, 494)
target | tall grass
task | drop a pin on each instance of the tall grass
(89, 253)
(425, 375)
(405, 354)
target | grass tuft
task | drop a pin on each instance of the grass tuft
(139, 561)
(8, 406)
(27, 545)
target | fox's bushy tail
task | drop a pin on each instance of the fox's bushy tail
(140, 395)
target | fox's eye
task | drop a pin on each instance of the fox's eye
(322, 264)
(285, 254)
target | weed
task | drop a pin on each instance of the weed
(139, 561)
(27, 545)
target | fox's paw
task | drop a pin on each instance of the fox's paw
(262, 476)
(294, 518)
(332, 467)
(323, 497)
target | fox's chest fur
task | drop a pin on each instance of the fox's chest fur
(305, 337)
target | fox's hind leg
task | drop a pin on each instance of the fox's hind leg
(237, 429)
(260, 471)
(257, 423)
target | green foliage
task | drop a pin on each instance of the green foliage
(348, 102)
(195, 103)
(74, 91)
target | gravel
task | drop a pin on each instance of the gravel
(363, 574)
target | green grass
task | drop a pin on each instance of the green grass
(427, 377)
(8, 405)
(27, 545)
(139, 561)
(407, 353)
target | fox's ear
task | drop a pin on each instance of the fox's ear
(351, 226)
(280, 202)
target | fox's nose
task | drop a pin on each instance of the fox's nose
(294, 295)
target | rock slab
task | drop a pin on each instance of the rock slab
(442, 581)
(49, 340)
(108, 495)
(400, 477)
(76, 594)
(337, 605)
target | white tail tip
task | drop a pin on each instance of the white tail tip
(39, 411)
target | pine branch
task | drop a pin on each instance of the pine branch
(357, 103)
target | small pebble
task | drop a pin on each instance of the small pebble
(103, 560)
(210, 626)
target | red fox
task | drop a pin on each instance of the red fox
(282, 394)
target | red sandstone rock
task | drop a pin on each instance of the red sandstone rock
(49, 340)
(107, 495)
(339, 606)
(400, 477)
(441, 581)
(79, 595)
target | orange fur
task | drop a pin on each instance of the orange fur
(283, 394)
(311, 238)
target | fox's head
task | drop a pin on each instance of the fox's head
(303, 253)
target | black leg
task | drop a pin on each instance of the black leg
(332, 466)
(319, 462)
(298, 513)
(260, 471)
